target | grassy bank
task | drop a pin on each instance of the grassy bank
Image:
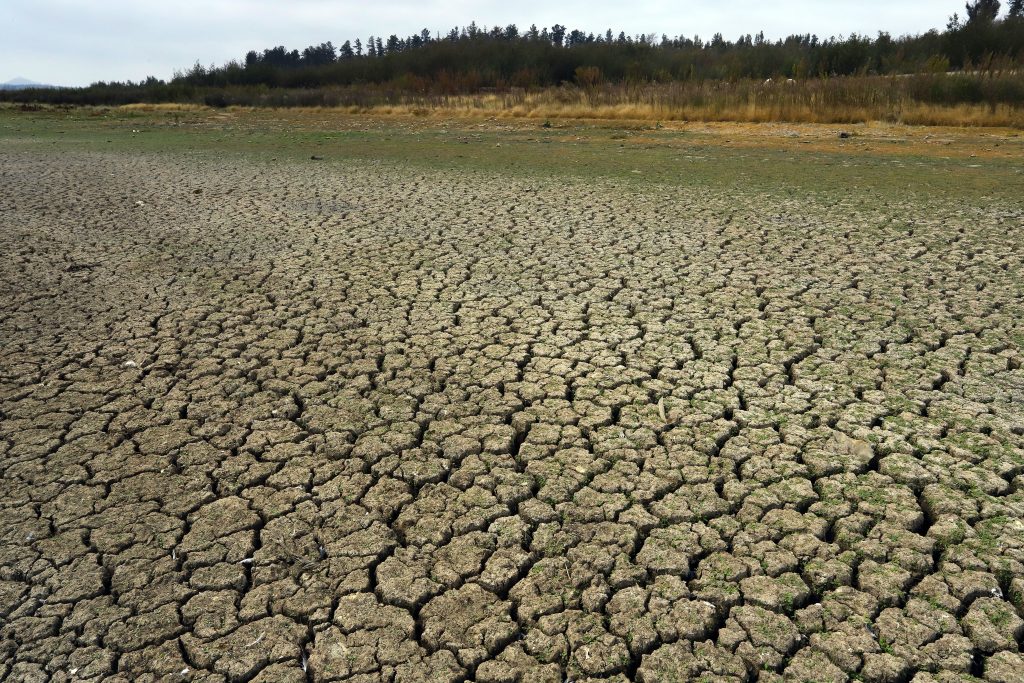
(939, 100)
(976, 99)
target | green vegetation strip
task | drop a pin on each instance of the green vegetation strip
(638, 157)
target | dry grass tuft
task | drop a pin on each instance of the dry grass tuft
(163, 107)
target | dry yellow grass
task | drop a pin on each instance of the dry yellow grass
(165, 106)
(977, 99)
(659, 103)
(914, 114)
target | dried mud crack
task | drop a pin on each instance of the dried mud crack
(487, 427)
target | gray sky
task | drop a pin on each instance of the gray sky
(75, 42)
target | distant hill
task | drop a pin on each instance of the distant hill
(22, 84)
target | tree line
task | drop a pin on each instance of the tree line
(472, 59)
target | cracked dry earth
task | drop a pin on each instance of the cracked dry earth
(317, 422)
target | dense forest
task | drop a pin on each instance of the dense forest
(475, 59)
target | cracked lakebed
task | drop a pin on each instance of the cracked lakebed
(469, 426)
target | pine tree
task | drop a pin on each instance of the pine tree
(984, 11)
(1017, 9)
(557, 34)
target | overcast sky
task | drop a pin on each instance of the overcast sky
(76, 42)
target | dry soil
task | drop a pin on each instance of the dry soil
(318, 421)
